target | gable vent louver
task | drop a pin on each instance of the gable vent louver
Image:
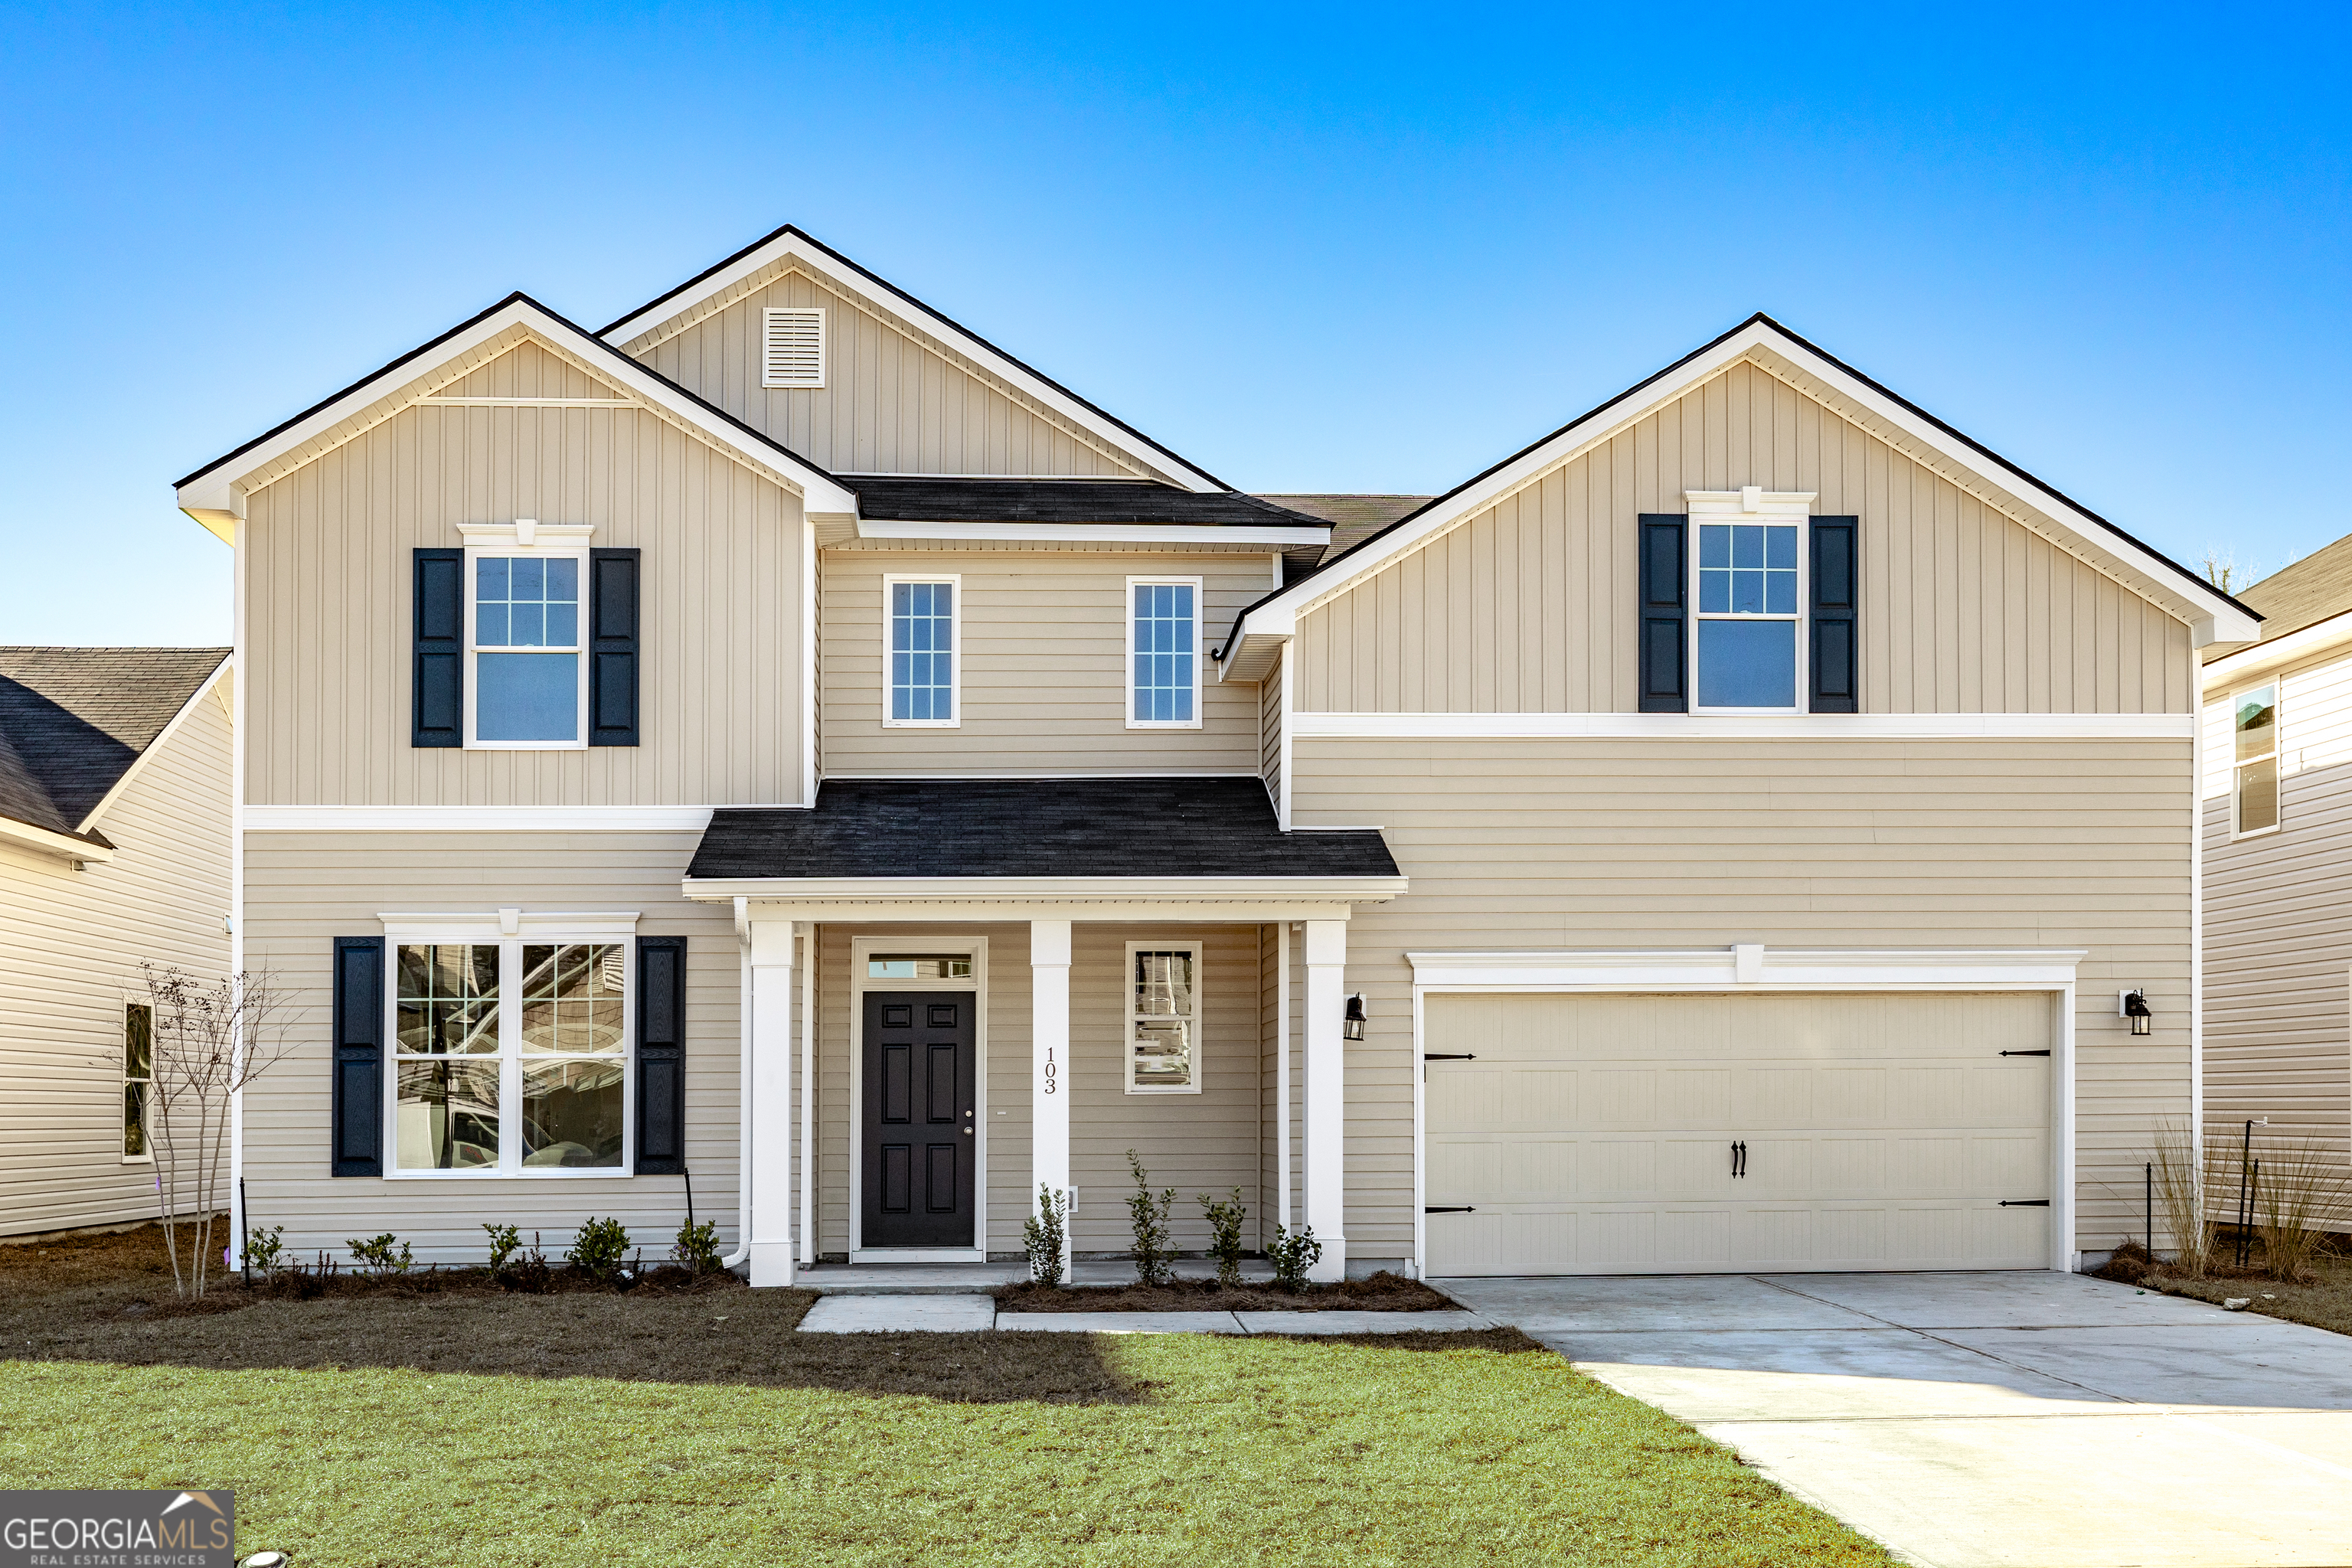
(792, 346)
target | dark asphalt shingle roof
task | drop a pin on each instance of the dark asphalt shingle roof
(954, 500)
(1145, 826)
(1353, 519)
(73, 720)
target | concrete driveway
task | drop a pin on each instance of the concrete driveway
(2047, 1420)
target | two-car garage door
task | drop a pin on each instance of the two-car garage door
(1698, 1132)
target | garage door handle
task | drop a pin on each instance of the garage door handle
(1449, 1055)
(1740, 1161)
(2025, 1203)
(2025, 1052)
(1452, 1208)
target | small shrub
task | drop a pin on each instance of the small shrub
(599, 1249)
(505, 1242)
(1293, 1256)
(528, 1272)
(376, 1254)
(1148, 1216)
(697, 1247)
(1045, 1234)
(262, 1247)
(1226, 1217)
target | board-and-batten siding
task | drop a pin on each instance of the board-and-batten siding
(529, 369)
(1197, 1143)
(71, 944)
(2278, 923)
(1044, 669)
(895, 400)
(1686, 844)
(304, 889)
(1529, 606)
(329, 610)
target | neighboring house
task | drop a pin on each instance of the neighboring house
(783, 741)
(115, 852)
(2278, 820)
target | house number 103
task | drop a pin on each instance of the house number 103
(1049, 1069)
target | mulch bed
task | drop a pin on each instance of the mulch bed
(1383, 1293)
(2322, 1300)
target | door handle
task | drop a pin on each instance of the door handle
(1738, 1161)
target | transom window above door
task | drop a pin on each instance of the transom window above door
(922, 651)
(1750, 597)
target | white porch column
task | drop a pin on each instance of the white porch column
(1049, 1092)
(1326, 1094)
(768, 1159)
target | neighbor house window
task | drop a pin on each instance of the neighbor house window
(1163, 1018)
(1163, 640)
(511, 1058)
(921, 651)
(2256, 761)
(138, 1078)
(530, 685)
(1747, 629)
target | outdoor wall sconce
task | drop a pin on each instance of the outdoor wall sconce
(2133, 1005)
(1351, 1026)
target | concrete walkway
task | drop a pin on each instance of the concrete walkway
(1972, 1420)
(937, 1313)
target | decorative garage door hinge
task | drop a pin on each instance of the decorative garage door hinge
(2025, 1203)
(1449, 1055)
(2025, 1052)
(1452, 1208)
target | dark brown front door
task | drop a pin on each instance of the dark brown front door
(919, 1153)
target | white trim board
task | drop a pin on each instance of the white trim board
(2319, 637)
(1756, 726)
(483, 818)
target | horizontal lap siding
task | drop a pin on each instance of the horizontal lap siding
(304, 889)
(1528, 607)
(71, 944)
(1044, 667)
(2278, 924)
(1682, 844)
(329, 611)
(1270, 717)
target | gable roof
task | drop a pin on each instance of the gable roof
(211, 489)
(1781, 353)
(1353, 518)
(74, 723)
(793, 244)
(2312, 589)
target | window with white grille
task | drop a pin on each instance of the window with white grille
(792, 346)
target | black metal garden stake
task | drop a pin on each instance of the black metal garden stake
(2151, 1209)
(245, 1231)
(2245, 1178)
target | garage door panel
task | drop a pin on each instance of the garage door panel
(1465, 1170)
(1623, 1097)
(1850, 1096)
(1537, 1170)
(2016, 1166)
(1852, 1166)
(1776, 1096)
(1695, 1098)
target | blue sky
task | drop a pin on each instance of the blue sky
(1332, 248)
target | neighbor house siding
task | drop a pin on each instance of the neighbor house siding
(1044, 667)
(1529, 605)
(1698, 844)
(330, 606)
(71, 945)
(1269, 728)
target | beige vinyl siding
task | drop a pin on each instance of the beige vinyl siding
(894, 401)
(71, 944)
(2278, 920)
(1269, 728)
(1044, 666)
(330, 609)
(304, 889)
(1205, 1142)
(1529, 606)
(529, 369)
(1692, 843)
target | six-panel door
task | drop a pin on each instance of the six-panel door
(917, 1146)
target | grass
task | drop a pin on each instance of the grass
(478, 1429)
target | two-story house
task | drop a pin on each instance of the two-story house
(783, 743)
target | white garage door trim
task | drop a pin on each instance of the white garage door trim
(1754, 967)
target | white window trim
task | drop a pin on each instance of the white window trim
(1749, 504)
(768, 380)
(528, 537)
(148, 1105)
(954, 580)
(1128, 1011)
(509, 930)
(1126, 678)
(2277, 688)
(915, 940)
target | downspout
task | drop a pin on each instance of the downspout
(808, 1093)
(742, 1095)
(236, 916)
(1282, 1068)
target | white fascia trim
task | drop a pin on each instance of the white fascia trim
(1738, 727)
(2227, 622)
(789, 245)
(1750, 966)
(2319, 637)
(163, 737)
(1254, 539)
(215, 489)
(1053, 890)
(489, 925)
(49, 842)
(482, 818)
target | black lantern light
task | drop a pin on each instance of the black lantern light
(1351, 1025)
(2135, 1008)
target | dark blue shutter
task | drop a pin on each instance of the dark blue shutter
(1665, 585)
(437, 694)
(661, 1056)
(612, 648)
(1837, 579)
(358, 1138)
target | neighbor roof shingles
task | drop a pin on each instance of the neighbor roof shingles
(73, 721)
(957, 500)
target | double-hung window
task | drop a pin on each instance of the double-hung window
(529, 688)
(921, 651)
(1163, 1017)
(511, 1058)
(138, 1078)
(1748, 629)
(1163, 641)
(2254, 784)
